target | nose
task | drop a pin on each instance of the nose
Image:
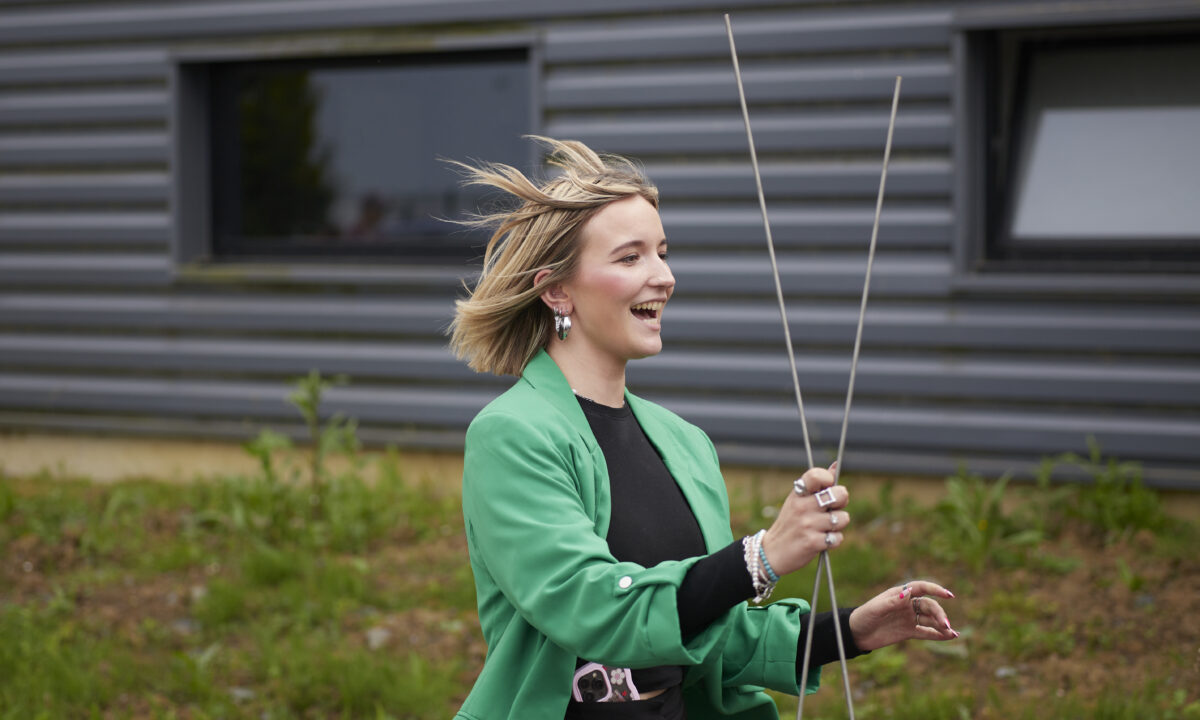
(663, 277)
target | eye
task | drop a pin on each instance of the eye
(629, 259)
(665, 255)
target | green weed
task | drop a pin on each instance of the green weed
(883, 667)
(1116, 504)
(1129, 577)
(223, 603)
(1020, 628)
(970, 524)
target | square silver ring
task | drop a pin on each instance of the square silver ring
(825, 498)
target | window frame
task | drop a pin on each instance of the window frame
(979, 204)
(192, 238)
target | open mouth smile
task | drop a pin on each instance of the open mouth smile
(648, 310)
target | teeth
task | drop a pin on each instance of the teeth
(656, 306)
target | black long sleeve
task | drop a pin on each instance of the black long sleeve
(720, 581)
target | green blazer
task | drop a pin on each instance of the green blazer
(536, 504)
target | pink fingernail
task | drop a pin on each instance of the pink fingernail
(955, 633)
(947, 624)
(949, 593)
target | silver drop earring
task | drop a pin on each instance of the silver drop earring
(562, 324)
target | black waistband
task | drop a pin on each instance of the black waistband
(668, 706)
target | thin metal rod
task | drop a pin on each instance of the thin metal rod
(837, 632)
(823, 558)
(812, 616)
(887, 153)
(762, 204)
(862, 311)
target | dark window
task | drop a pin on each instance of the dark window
(1093, 157)
(342, 159)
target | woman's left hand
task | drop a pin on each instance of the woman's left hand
(904, 613)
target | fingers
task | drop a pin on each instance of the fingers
(813, 481)
(924, 587)
(923, 632)
(928, 612)
(818, 489)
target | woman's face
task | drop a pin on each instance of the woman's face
(622, 282)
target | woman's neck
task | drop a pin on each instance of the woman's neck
(597, 380)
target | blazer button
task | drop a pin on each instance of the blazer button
(625, 582)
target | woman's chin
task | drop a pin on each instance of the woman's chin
(649, 350)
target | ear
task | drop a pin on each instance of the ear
(554, 295)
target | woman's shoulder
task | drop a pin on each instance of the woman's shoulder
(522, 411)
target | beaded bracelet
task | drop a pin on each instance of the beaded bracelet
(752, 552)
(762, 555)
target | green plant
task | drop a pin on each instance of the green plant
(1048, 504)
(337, 434)
(264, 447)
(8, 498)
(1116, 504)
(970, 523)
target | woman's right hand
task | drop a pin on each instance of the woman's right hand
(803, 527)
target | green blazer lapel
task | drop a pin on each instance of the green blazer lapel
(677, 452)
(543, 375)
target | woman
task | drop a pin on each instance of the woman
(609, 584)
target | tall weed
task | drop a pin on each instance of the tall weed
(1116, 504)
(970, 524)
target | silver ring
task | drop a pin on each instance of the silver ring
(825, 498)
(828, 539)
(799, 486)
(833, 519)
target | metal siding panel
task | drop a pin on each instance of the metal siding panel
(81, 270)
(818, 274)
(871, 425)
(82, 107)
(811, 179)
(75, 66)
(227, 19)
(229, 312)
(725, 132)
(98, 148)
(648, 86)
(908, 326)
(79, 189)
(83, 228)
(1022, 432)
(1007, 379)
(714, 224)
(234, 399)
(1013, 379)
(943, 378)
(859, 28)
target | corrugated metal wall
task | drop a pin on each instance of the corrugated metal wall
(98, 333)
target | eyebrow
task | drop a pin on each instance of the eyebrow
(633, 243)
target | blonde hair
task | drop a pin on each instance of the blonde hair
(502, 323)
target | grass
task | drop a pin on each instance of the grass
(301, 593)
(239, 597)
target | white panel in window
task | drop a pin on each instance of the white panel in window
(1110, 145)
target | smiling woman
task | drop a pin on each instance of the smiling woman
(615, 298)
(608, 581)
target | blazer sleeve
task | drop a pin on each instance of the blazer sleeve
(759, 649)
(524, 485)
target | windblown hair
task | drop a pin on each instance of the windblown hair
(502, 323)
